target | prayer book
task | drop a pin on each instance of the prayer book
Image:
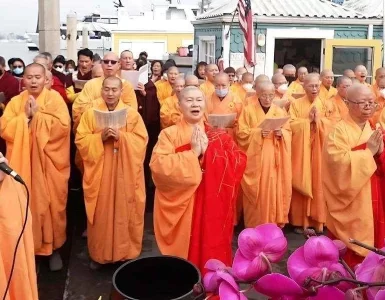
(79, 84)
(110, 119)
(273, 123)
(222, 121)
(135, 77)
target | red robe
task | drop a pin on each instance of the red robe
(212, 223)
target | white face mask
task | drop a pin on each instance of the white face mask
(59, 69)
(282, 88)
(247, 86)
(382, 93)
(71, 70)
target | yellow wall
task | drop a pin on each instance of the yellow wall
(174, 40)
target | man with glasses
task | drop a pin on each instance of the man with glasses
(266, 183)
(91, 93)
(311, 119)
(352, 172)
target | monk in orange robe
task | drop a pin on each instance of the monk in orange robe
(245, 87)
(113, 180)
(266, 184)
(164, 89)
(296, 89)
(170, 113)
(208, 87)
(380, 74)
(353, 165)
(36, 127)
(349, 73)
(339, 100)
(361, 74)
(282, 95)
(193, 217)
(380, 102)
(311, 119)
(327, 91)
(12, 217)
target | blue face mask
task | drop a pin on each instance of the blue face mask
(18, 71)
(222, 93)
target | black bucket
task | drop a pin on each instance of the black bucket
(157, 278)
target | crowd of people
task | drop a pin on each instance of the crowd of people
(299, 151)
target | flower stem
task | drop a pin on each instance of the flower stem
(347, 268)
(267, 262)
(247, 290)
(373, 249)
(336, 281)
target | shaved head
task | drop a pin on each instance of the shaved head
(48, 79)
(34, 65)
(380, 74)
(312, 85)
(97, 71)
(259, 80)
(343, 85)
(111, 55)
(278, 79)
(179, 80)
(42, 60)
(356, 89)
(311, 77)
(349, 73)
(222, 76)
(381, 84)
(247, 77)
(361, 73)
(327, 78)
(289, 70)
(191, 80)
(110, 64)
(265, 93)
(34, 79)
(278, 71)
(112, 79)
(302, 72)
(189, 89)
(240, 71)
(357, 94)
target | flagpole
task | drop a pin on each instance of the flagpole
(229, 31)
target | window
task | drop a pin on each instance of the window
(113, 21)
(207, 49)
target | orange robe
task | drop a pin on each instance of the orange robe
(308, 205)
(266, 183)
(347, 174)
(113, 185)
(12, 217)
(341, 106)
(170, 113)
(163, 91)
(376, 116)
(296, 89)
(325, 94)
(230, 104)
(40, 153)
(207, 88)
(240, 92)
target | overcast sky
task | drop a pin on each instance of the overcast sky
(19, 16)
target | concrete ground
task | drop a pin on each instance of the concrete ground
(78, 282)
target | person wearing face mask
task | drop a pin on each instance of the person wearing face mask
(187, 221)
(244, 88)
(18, 68)
(289, 72)
(296, 89)
(282, 97)
(343, 84)
(327, 90)
(59, 63)
(208, 86)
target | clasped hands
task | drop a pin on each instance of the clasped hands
(199, 141)
(376, 143)
(110, 133)
(314, 114)
(31, 107)
(277, 133)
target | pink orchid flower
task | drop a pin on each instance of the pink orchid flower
(220, 281)
(372, 269)
(318, 258)
(258, 247)
(279, 287)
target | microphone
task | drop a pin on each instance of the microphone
(7, 170)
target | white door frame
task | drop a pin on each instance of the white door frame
(206, 38)
(292, 33)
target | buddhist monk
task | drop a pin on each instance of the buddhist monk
(191, 216)
(282, 96)
(259, 80)
(266, 183)
(92, 89)
(113, 180)
(361, 74)
(36, 127)
(327, 90)
(170, 113)
(49, 80)
(244, 87)
(352, 160)
(380, 74)
(311, 119)
(164, 89)
(191, 80)
(12, 217)
(278, 71)
(289, 71)
(239, 72)
(296, 87)
(97, 71)
(343, 84)
(231, 72)
(208, 86)
(380, 102)
(349, 73)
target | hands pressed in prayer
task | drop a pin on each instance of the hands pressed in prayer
(109, 132)
(141, 88)
(278, 133)
(265, 133)
(114, 133)
(313, 114)
(204, 140)
(2, 159)
(196, 142)
(31, 107)
(375, 143)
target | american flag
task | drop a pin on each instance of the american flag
(246, 24)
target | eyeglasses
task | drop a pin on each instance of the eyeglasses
(108, 61)
(364, 104)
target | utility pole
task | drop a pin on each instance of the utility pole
(49, 26)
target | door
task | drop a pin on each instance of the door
(343, 54)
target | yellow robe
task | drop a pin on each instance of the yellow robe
(163, 91)
(40, 152)
(240, 92)
(92, 92)
(113, 185)
(381, 104)
(341, 106)
(176, 177)
(207, 88)
(346, 184)
(170, 113)
(266, 183)
(296, 89)
(308, 205)
(12, 216)
(325, 94)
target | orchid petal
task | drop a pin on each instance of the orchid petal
(211, 281)
(226, 291)
(320, 251)
(328, 292)
(228, 278)
(276, 249)
(380, 295)
(365, 270)
(276, 285)
(246, 269)
(341, 247)
(296, 263)
(214, 264)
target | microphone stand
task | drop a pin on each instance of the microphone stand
(18, 241)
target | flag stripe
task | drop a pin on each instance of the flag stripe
(246, 24)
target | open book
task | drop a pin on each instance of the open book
(79, 84)
(110, 119)
(273, 123)
(134, 77)
(222, 121)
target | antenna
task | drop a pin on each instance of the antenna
(118, 4)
